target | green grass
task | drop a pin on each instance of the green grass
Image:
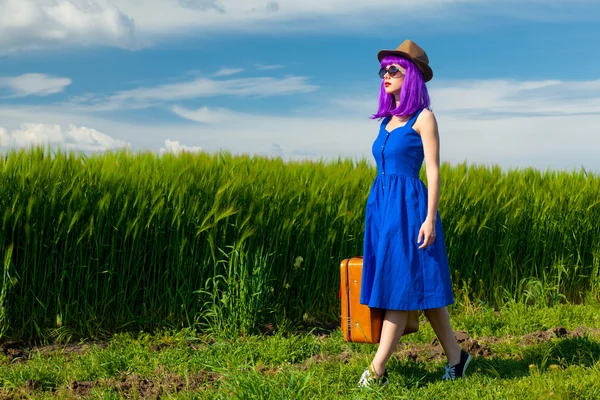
(117, 242)
(287, 365)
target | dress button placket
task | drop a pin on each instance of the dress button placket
(383, 157)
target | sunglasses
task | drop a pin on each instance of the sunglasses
(392, 71)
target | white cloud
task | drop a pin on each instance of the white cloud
(76, 138)
(228, 71)
(170, 16)
(270, 67)
(5, 138)
(490, 98)
(204, 87)
(27, 24)
(497, 99)
(38, 23)
(34, 84)
(144, 97)
(204, 114)
(174, 146)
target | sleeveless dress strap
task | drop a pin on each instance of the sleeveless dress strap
(414, 117)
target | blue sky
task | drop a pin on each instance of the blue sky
(516, 83)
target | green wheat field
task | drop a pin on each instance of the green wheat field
(134, 275)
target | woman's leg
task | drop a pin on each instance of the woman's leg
(394, 323)
(439, 318)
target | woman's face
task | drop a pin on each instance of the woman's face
(393, 77)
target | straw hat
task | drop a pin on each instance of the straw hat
(410, 50)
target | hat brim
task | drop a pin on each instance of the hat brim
(425, 68)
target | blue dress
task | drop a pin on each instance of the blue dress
(397, 275)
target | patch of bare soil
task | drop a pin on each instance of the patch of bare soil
(69, 349)
(17, 352)
(83, 388)
(14, 351)
(479, 347)
(545, 336)
(26, 392)
(131, 386)
(434, 352)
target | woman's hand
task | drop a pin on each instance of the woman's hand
(426, 232)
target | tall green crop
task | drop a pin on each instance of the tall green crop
(125, 241)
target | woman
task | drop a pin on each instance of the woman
(405, 266)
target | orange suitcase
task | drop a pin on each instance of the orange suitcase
(360, 323)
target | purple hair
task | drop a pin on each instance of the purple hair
(413, 94)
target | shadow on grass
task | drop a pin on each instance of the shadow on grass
(579, 351)
(576, 351)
